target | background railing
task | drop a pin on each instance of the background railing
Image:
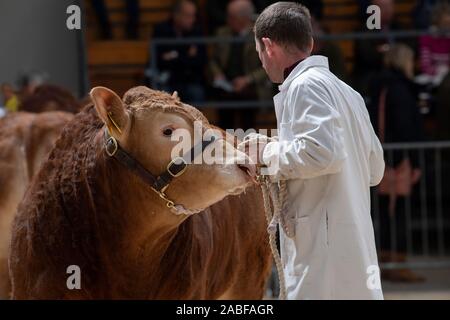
(419, 227)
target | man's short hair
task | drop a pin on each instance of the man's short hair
(287, 23)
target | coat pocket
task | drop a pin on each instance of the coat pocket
(299, 249)
(309, 247)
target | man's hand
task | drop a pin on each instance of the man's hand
(253, 145)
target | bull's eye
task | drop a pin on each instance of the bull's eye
(167, 132)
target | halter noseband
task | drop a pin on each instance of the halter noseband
(158, 184)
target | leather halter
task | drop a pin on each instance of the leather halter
(159, 184)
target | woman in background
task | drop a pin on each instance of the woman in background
(396, 118)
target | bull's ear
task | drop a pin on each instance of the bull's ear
(110, 109)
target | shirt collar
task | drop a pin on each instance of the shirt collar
(302, 66)
(288, 70)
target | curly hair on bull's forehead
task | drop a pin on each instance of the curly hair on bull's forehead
(141, 97)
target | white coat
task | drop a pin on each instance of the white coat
(330, 155)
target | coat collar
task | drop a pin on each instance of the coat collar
(312, 61)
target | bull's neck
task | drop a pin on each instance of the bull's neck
(143, 225)
(148, 228)
(152, 225)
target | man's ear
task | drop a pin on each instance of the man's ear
(110, 109)
(268, 46)
(311, 46)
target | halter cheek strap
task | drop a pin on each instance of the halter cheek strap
(160, 183)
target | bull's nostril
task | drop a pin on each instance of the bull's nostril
(244, 168)
(250, 169)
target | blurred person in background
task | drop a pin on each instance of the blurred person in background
(182, 67)
(435, 64)
(235, 68)
(395, 115)
(435, 48)
(10, 99)
(369, 52)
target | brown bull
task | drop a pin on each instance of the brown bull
(25, 141)
(87, 209)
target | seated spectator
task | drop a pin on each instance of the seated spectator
(329, 49)
(10, 100)
(396, 118)
(182, 66)
(435, 49)
(369, 52)
(235, 67)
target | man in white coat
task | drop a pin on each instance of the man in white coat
(329, 155)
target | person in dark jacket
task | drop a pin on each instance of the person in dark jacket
(402, 116)
(235, 70)
(369, 52)
(396, 118)
(181, 67)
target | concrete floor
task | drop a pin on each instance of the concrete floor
(435, 287)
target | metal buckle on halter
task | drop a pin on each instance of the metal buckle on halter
(175, 175)
(111, 142)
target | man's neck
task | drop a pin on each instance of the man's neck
(291, 63)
